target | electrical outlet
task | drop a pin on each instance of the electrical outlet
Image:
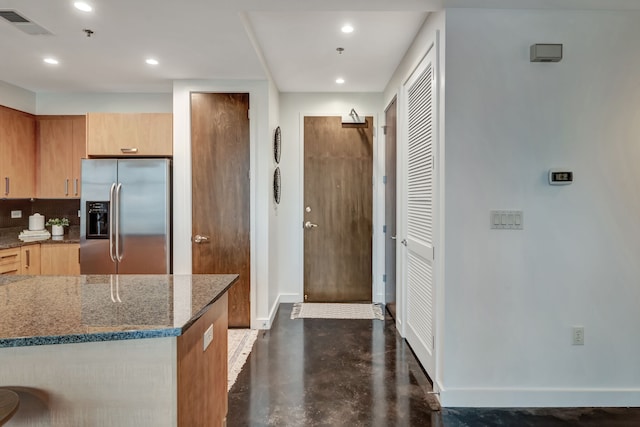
(578, 335)
(16, 214)
(208, 337)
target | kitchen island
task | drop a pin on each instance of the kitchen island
(125, 350)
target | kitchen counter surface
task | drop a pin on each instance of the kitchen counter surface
(39, 310)
(9, 237)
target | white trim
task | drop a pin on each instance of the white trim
(439, 211)
(377, 252)
(266, 322)
(418, 63)
(539, 397)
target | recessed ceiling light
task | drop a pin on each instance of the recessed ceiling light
(347, 28)
(340, 80)
(85, 7)
(152, 61)
(51, 61)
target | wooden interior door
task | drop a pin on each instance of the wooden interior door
(390, 207)
(338, 173)
(220, 193)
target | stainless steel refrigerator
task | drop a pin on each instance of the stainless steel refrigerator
(125, 216)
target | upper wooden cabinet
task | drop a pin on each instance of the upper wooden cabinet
(17, 154)
(130, 134)
(61, 146)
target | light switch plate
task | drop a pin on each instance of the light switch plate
(506, 220)
(16, 214)
(208, 337)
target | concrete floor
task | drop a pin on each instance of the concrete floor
(324, 372)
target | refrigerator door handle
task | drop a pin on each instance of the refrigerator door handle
(118, 249)
(111, 227)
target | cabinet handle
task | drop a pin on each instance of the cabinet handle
(28, 252)
(75, 187)
(129, 150)
(66, 187)
(9, 256)
(6, 185)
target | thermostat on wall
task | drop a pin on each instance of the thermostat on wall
(560, 177)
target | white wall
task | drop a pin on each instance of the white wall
(17, 98)
(274, 229)
(512, 297)
(82, 103)
(294, 106)
(260, 153)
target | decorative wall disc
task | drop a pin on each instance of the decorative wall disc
(276, 185)
(276, 145)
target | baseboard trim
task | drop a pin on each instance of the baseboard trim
(539, 397)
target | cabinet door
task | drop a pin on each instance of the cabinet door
(79, 152)
(130, 134)
(60, 259)
(10, 261)
(30, 260)
(55, 148)
(17, 154)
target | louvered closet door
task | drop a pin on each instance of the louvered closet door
(418, 210)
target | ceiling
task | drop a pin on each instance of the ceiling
(294, 41)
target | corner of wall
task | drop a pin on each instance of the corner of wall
(17, 98)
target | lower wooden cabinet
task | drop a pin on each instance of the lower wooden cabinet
(10, 261)
(30, 260)
(47, 259)
(59, 259)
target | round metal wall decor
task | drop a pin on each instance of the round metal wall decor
(276, 145)
(276, 185)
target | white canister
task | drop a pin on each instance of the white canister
(36, 222)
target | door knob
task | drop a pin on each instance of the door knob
(393, 237)
(404, 242)
(199, 239)
(308, 225)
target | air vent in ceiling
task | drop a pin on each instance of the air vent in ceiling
(13, 16)
(23, 24)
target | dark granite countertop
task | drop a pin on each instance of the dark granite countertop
(38, 310)
(9, 237)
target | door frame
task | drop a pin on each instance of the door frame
(259, 145)
(377, 239)
(394, 100)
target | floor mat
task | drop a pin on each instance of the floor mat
(239, 345)
(336, 311)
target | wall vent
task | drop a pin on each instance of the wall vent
(23, 24)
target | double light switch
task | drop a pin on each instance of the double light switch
(507, 220)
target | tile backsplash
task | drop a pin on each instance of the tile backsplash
(50, 208)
